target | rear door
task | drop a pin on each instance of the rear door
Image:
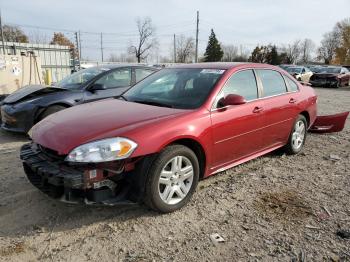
(279, 107)
(111, 84)
(237, 130)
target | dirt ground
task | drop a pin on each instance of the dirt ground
(274, 208)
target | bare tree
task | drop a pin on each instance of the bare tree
(14, 34)
(123, 57)
(329, 44)
(146, 39)
(184, 49)
(293, 51)
(307, 47)
(38, 37)
(230, 53)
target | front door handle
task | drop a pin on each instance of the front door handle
(292, 101)
(257, 109)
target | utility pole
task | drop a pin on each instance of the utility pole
(101, 47)
(174, 48)
(2, 35)
(77, 48)
(80, 56)
(197, 30)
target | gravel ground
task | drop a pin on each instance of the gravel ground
(274, 208)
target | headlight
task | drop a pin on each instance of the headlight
(102, 151)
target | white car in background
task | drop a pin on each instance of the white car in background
(300, 73)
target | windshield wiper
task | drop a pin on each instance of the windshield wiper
(153, 103)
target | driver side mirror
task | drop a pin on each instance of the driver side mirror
(231, 100)
(96, 87)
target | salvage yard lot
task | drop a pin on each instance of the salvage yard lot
(274, 208)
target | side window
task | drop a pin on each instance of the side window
(142, 73)
(292, 85)
(242, 83)
(117, 78)
(272, 82)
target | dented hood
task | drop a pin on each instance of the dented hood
(30, 91)
(72, 127)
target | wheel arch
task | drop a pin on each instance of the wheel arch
(197, 148)
(307, 116)
(41, 110)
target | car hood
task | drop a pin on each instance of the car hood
(81, 124)
(29, 92)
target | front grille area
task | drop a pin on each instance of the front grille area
(52, 154)
(40, 166)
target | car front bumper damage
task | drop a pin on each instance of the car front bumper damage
(76, 184)
(15, 120)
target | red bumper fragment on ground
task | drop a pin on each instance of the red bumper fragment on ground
(330, 123)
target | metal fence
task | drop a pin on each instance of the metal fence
(55, 58)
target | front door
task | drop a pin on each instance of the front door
(110, 85)
(237, 130)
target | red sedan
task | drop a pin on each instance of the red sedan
(177, 126)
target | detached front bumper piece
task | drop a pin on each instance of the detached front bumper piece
(330, 123)
(74, 184)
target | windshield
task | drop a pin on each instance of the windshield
(175, 88)
(294, 70)
(316, 69)
(331, 70)
(81, 77)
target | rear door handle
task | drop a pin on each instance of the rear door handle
(292, 101)
(257, 109)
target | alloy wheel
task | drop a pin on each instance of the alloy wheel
(298, 135)
(175, 180)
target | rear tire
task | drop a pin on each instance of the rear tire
(297, 136)
(172, 179)
(49, 111)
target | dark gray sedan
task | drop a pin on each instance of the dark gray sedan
(28, 105)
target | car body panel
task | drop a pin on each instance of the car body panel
(329, 123)
(217, 131)
(33, 90)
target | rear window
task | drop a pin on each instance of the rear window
(272, 82)
(292, 85)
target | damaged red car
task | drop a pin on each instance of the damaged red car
(177, 126)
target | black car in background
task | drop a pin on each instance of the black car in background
(331, 76)
(28, 105)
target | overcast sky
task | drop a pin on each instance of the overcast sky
(239, 22)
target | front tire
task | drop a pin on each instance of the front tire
(297, 136)
(49, 111)
(172, 179)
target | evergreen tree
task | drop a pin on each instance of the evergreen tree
(274, 58)
(213, 51)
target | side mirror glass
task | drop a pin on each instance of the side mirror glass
(232, 100)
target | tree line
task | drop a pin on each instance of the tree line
(334, 47)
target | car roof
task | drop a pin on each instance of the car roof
(218, 65)
(113, 66)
